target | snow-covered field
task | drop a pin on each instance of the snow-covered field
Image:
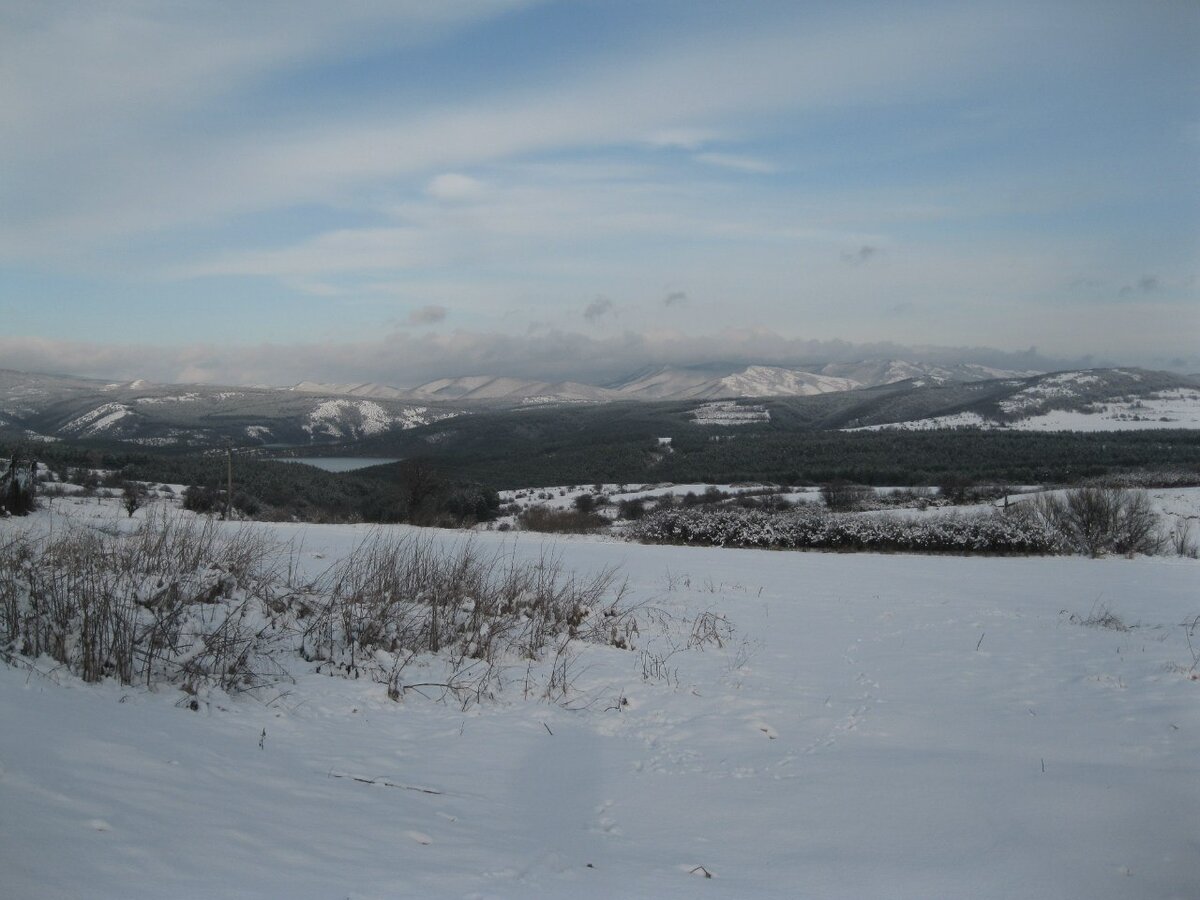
(729, 412)
(869, 726)
(1177, 408)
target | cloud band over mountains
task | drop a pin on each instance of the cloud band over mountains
(403, 359)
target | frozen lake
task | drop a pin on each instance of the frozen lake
(340, 463)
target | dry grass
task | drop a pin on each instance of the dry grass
(187, 602)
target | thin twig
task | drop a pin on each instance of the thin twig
(383, 783)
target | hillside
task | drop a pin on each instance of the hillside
(712, 382)
(39, 407)
(474, 418)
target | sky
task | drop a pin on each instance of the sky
(397, 191)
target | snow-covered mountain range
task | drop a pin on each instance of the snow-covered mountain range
(871, 394)
(676, 383)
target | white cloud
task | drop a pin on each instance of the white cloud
(681, 138)
(344, 250)
(454, 186)
(738, 163)
(405, 359)
(153, 177)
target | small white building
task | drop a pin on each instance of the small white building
(664, 442)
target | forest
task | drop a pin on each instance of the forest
(455, 479)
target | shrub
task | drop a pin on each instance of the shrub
(631, 510)
(202, 499)
(1181, 539)
(18, 487)
(842, 496)
(1097, 520)
(955, 488)
(813, 529)
(560, 521)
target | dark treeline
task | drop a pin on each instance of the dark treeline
(411, 491)
(931, 457)
(447, 479)
(535, 452)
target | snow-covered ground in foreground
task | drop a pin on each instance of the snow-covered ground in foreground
(874, 726)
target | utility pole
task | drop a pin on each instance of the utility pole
(229, 479)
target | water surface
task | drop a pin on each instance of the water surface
(339, 463)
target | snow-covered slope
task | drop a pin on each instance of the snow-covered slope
(1091, 400)
(102, 419)
(729, 412)
(771, 381)
(493, 387)
(752, 381)
(356, 419)
(370, 389)
(778, 381)
(198, 416)
(870, 373)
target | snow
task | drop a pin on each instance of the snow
(363, 418)
(1176, 408)
(771, 381)
(869, 726)
(729, 412)
(956, 420)
(1179, 408)
(190, 397)
(1063, 384)
(98, 420)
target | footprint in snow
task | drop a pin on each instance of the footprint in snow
(766, 729)
(606, 824)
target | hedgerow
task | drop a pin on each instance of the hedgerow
(808, 529)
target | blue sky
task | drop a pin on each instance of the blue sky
(394, 190)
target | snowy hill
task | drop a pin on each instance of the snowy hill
(492, 388)
(1088, 400)
(369, 389)
(771, 381)
(39, 407)
(779, 381)
(871, 373)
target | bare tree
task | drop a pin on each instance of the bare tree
(842, 496)
(18, 486)
(133, 496)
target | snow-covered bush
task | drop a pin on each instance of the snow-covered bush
(164, 603)
(811, 529)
